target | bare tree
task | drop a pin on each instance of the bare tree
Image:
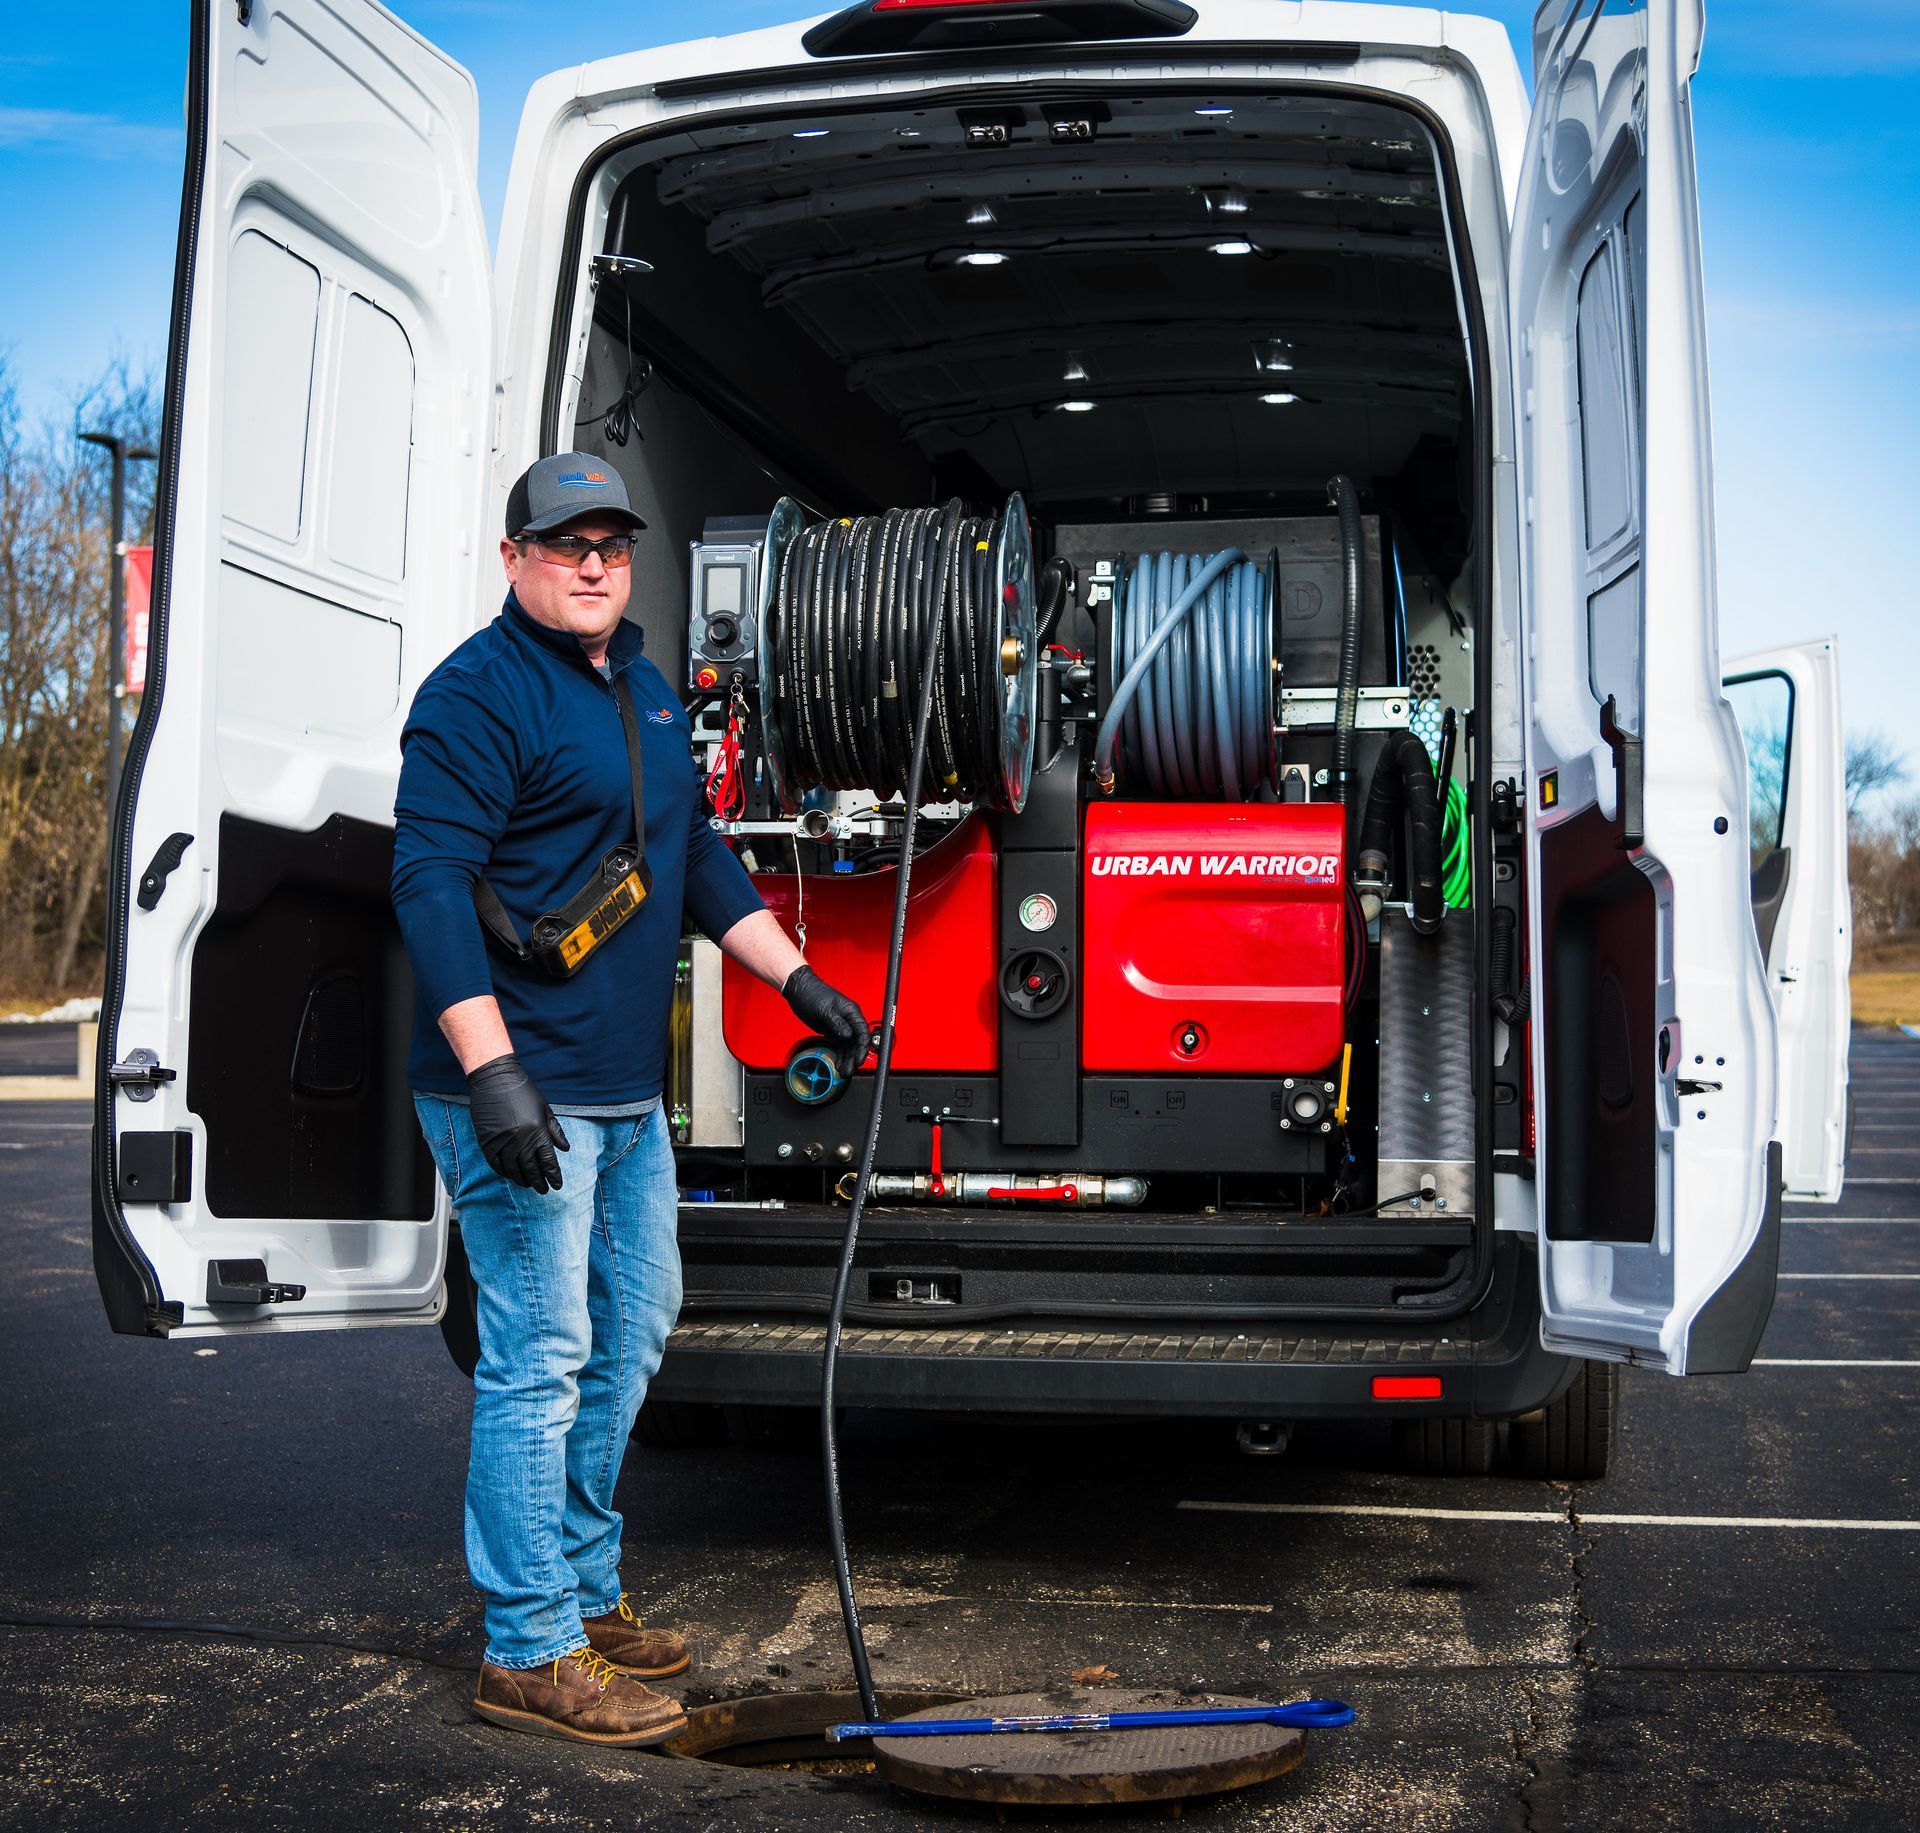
(53, 675)
(1874, 763)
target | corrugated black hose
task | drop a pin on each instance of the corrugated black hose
(1346, 707)
(1403, 782)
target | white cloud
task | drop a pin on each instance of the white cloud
(1833, 323)
(93, 136)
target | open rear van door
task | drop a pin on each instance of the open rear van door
(1788, 705)
(256, 1163)
(1653, 1045)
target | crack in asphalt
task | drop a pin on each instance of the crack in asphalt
(1584, 1621)
(233, 1632)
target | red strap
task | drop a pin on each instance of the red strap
(726, 785)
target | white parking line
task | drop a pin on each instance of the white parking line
(1827, 1362)
(1545, 1516)
(1849, 1275)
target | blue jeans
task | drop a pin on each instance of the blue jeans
(577, 1291)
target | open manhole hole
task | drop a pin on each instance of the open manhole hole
(1081, 1768)
(789, 1730)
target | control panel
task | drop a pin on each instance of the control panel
(723, 629)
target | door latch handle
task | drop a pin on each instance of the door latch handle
(245, 1282)
(1629, 775)
(140, 1075)
(1687, 1086)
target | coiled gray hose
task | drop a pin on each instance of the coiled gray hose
(1346, 501)
(1193, 650)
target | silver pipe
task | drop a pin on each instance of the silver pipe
(1066, 1189)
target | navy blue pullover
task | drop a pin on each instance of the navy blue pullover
(513, 764)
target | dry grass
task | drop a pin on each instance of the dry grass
(1881, 998)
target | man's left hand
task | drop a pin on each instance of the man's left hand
(831, 1015)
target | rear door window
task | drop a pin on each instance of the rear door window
(1763, 704)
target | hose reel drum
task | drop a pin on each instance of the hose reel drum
(849, 608)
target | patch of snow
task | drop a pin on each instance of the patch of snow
(85, 1009)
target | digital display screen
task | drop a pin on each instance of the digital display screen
(725, 589)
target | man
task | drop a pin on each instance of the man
(538, 1089)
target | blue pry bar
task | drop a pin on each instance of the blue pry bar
(1302, 1715)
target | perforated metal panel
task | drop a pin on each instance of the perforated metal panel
(1426, 1064)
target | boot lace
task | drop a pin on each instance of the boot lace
(596, 1667)
(626, 1610)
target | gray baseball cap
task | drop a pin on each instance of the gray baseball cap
(563, 489)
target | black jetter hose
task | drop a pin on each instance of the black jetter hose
(1403, 780)
(1346, 706)
(862, 612)
(925, 638)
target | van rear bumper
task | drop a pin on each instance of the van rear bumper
(1490, 1363)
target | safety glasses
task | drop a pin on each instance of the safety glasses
(572, 550)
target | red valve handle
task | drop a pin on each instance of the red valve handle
(1045, 1193)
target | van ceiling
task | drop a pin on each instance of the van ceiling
(858, 230)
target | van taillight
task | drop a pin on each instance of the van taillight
(938, 25)
(1406, 1387)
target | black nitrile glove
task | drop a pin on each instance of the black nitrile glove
(830, 1015)
(517, 1130)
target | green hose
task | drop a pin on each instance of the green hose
(1456, 873)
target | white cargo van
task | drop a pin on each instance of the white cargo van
(1149, 265)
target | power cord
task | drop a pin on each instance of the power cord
(616, 418)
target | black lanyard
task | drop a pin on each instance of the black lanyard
(565, 938)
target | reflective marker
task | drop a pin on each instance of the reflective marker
(1406, 1387)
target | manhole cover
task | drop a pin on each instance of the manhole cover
(1089, 1768)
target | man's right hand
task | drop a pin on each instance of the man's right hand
(516, 1128)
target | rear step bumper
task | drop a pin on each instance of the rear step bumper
(1490, 1364)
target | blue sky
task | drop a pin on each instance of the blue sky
(1808, 126)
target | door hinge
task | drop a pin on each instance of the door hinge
(1629, 772)
(140, 1075)
(245, 1282)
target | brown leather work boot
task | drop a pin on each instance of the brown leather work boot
(582, 1696)
(633, 1648)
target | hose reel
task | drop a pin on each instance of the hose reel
(852, 607)
(1193, 708)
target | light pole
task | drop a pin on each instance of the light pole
(117, 616)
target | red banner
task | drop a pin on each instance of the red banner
(139, 601)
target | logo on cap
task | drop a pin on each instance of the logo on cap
(582, 480)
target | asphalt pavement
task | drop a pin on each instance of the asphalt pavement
(232, 1593)
(37, 1050)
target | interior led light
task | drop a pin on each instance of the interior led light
(810, 133)
(1232, 248)
(1279, 400)
(1078, 407)
(983, 257)
(1076, 370)
(981, 216)
(1213, 111)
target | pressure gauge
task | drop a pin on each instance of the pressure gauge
(1038, 912)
